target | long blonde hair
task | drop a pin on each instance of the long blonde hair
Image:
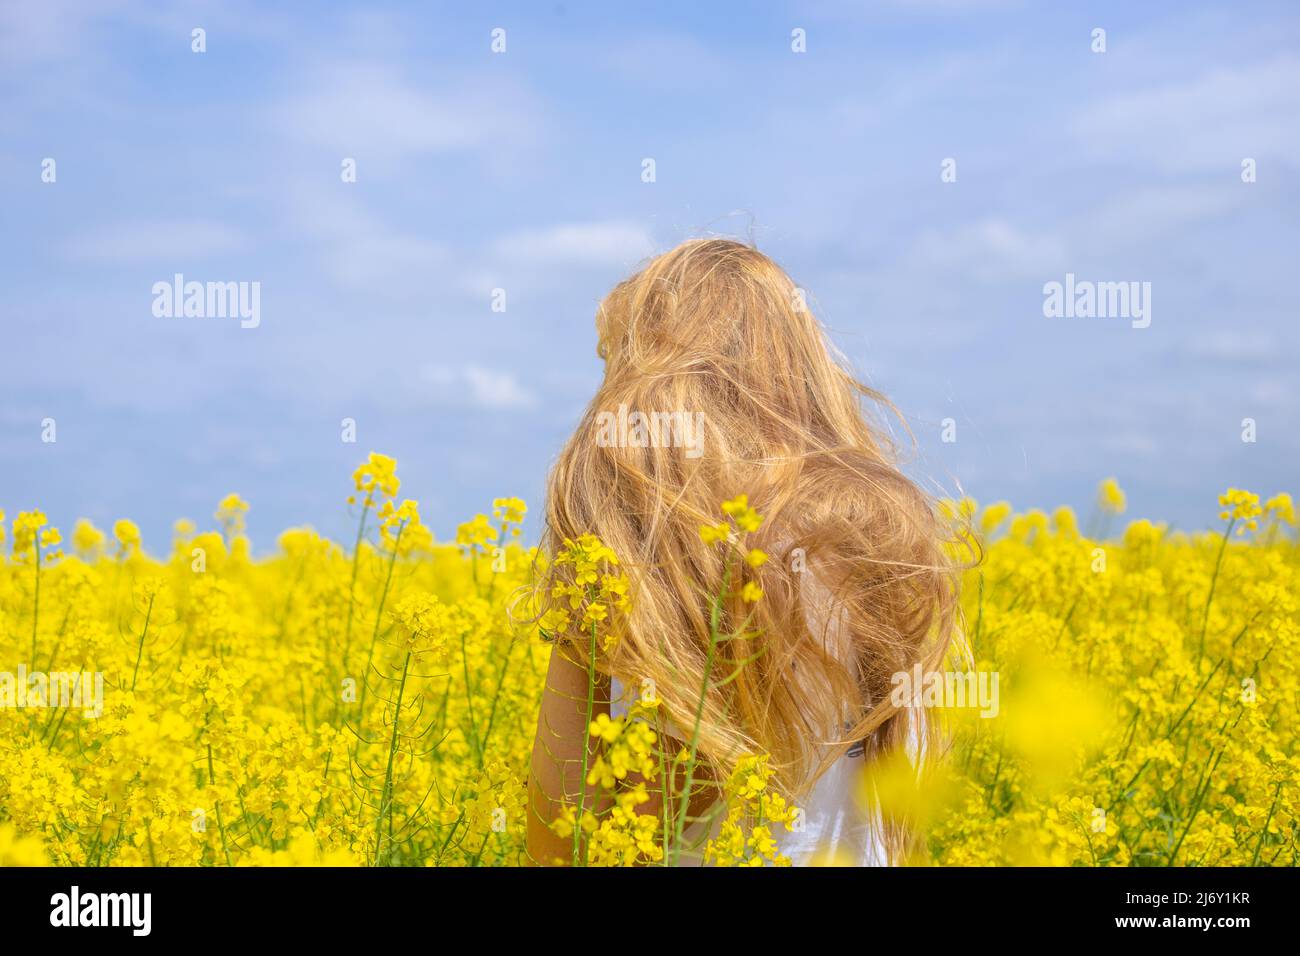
(715, 326)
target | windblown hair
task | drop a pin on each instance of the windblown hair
(859, 585)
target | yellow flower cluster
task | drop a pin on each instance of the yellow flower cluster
(745, 520)
(1148, 713)
(34, 539)
(623, 836)
(627, 747)
(310, 707)
(591, 591)
(376, 706)
(1240, 506)
(745, 837)
(1111, 497)
(377, 474)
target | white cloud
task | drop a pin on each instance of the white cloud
(1272, 393)
(991, 249)
(496, 389)
(666, 62)
(1127, 442)
(479, 386)
(52, 29)
(1213, 121)
(390, 263)
(370, 111)
(852, 10)
(592, 244)
(1143, 215)
(161, 239)
(1232, 347)
(360, 249)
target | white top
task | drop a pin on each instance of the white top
(835, 829)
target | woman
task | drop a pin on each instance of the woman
(856, 587)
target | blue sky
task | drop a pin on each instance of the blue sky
(522, 171)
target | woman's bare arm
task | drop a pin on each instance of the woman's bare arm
(556, 777)
(557, 761)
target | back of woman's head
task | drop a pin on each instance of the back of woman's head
(858, 586)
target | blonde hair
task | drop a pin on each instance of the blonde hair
(715, 326)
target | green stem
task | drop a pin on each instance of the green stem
(586, 738)
(386, 801)
(492, 581)
(352, 588)
(1264, 830)
(379, 617)
(469, 701)
(139, 651)
(715, 619)
(1205, 618)
(496, 696)
(36, 597)
(221, 824)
